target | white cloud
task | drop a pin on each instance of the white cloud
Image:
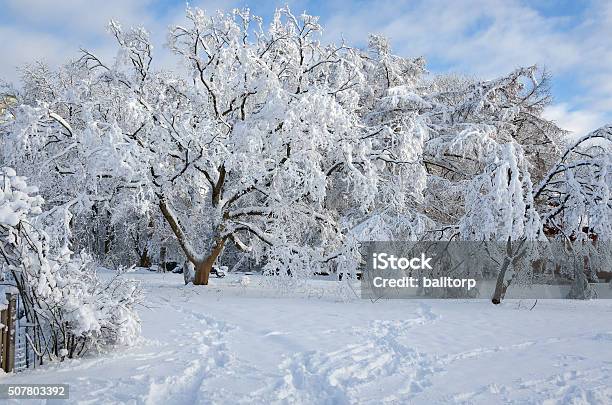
(486, 37)
(24, 47)
(579, 122)
(491, 37)
(78, 16)
(54, 31)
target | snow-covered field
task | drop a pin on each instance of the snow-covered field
(230, 343)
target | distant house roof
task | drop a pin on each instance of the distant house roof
(6, 100)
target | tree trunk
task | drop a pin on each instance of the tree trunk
(162, 259)
(188, 272)
(203, 268)
(108, 241)
(501, 286)
(143, 258)
(512, 257)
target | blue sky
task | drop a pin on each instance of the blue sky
(485, 38)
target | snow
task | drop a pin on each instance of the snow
(15, 202)
(245, 281)
(236, 343)
(10, 172)
(8, 216)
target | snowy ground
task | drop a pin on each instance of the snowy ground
(227, 343)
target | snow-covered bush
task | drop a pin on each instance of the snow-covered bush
(72, 308)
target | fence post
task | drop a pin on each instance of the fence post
(8, 319)
(12, 320)
(3, 340)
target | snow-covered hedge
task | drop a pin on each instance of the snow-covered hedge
(61, 293)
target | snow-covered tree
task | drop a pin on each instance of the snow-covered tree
(270, 142)
(264, 142)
